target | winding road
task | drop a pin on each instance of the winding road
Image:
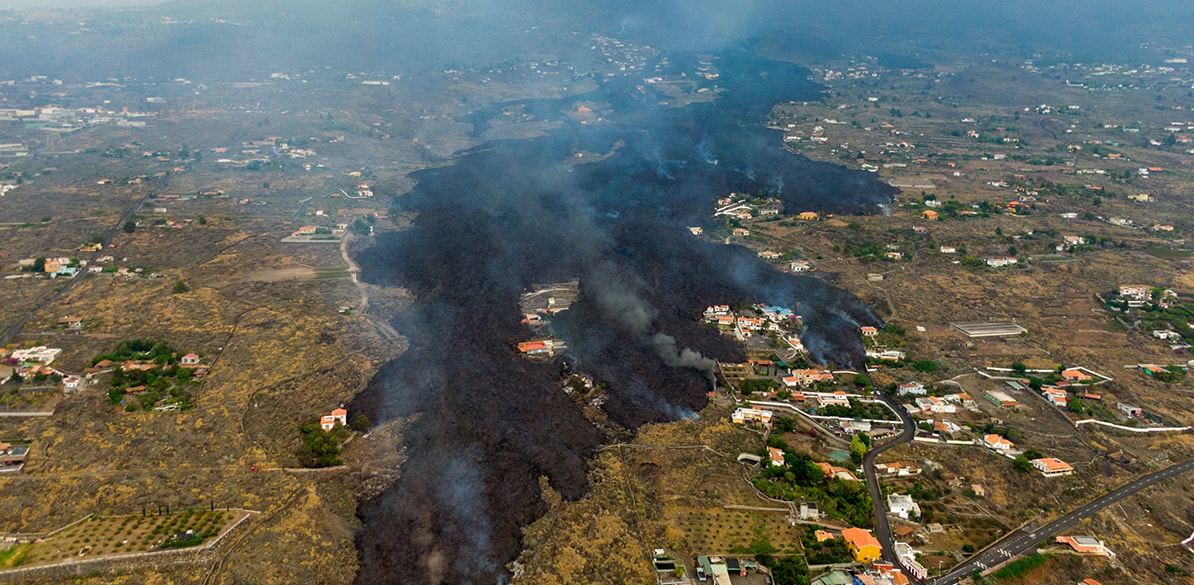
(1027, 538)
(1014, 543)
(882, 526)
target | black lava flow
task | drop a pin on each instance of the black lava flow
(512, 213)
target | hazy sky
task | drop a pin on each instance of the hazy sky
(23, 4)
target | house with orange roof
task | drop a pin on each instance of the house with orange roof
(776, 455)
(832, 472)
(899, 468)
(823, 535)
(532, 347)
(998, 443)
(1055, 396)
(1052, 467)
(1086, 545)
(1074, 375)
(863, 545)
(868, 331)
(328, 421)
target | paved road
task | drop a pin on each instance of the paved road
(1026, 539)
(882, 527)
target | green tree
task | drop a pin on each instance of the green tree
(1022, 464)
(925, 366)
(180, 287)
(857, 449)
(785, 424)
(790, 571)
(130, 226)
(361, 423)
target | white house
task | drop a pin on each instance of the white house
(902, 505)
(40, 354)
(1051, 467)
(948, 250)
(851, 427)
(328, 421)
(1056, 397)
(751, 416)
(997, 443)
(935, 405)
(1000, 262)
(907, 557)
(911, 388)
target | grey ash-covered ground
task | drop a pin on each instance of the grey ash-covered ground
(513, 213)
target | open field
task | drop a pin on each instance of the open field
(95, 536)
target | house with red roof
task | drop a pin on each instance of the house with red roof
(328, 421)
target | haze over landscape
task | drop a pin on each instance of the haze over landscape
(498, 291)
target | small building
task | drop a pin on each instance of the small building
(835, 578)
(1076, 376)
(1001, 261)
(71, 322)
(935, 405)
(809, 511)
(946, 427)
(834, 472)
(997, 443)
(898, 469)
(1052, 467)
(752, 416)
(930, 214)
(191, 359)
(868, 331)
(776, 456)
(948, 250)
(40, 354)
(808, 215)
(853, 427)
(903, 505)
(863, 545)
(907, 558)
(978, 490)
(1129, 409)
(1001, 399)
(1056, 397)
(329, 421)
(1086, 545)
(823, 535)
(838, 398)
